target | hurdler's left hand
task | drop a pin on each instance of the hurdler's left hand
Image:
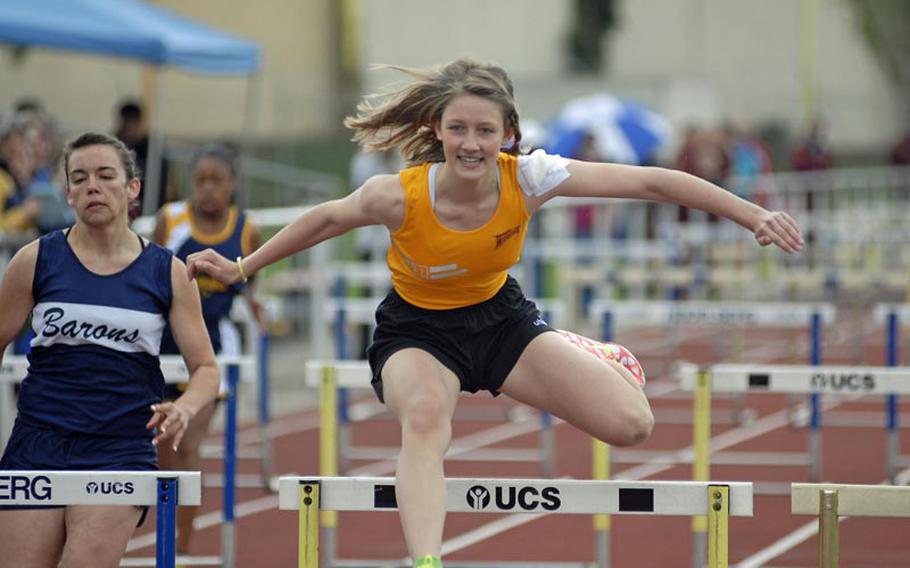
(779, 228)
(171, 419)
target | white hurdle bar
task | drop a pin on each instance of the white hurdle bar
(723, 315)
(163, 489)
(830, 501)
(804, 379)
(310, 495)
(674, 315)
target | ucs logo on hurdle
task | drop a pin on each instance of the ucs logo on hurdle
(14, 487)
(507, 498)
(109, 488)
(839, 382)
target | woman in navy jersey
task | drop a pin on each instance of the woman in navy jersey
(207, 219)
(99, 296)
(455, 320)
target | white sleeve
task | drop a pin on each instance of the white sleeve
(539, 172)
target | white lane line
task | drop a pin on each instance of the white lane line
(214, 518)
(249, 433)
(795, 538)
(465, 444)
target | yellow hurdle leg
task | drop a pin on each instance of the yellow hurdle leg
(601, 471)
(718, 522)
(328, 454)
(701, 467)
(308, 525)
(828, 529)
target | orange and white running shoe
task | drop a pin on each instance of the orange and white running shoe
(608, 352)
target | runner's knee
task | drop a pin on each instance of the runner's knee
(426, 416)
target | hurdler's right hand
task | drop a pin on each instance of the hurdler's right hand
(212, 264)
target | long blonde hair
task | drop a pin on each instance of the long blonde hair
(406, 118)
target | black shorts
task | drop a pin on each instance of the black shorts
(479, 343)
(32, 447)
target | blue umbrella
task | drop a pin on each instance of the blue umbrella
(623, 131)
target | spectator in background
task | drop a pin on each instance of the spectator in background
(749, 160)
(703, 154)
(133, 130)
(39, 137)
(812, 155)
(584, 214)
(900, 155)
(18, 211)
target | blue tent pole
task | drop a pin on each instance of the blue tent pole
(151, 191)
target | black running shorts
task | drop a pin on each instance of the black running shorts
(479, 343)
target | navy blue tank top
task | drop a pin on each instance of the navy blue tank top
(93, 366)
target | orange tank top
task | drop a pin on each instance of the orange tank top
(438, 268)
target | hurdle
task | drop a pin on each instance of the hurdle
(255, 361)
(162, 489)
(326, 495)
(892, 315)
(830, 501)
(13, 369)
(675, 315)
(342, 311)
(828, 380)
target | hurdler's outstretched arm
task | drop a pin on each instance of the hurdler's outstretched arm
(380, 201)
(591, 179)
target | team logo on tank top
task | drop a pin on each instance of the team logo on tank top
(506, 235)
(82, 324)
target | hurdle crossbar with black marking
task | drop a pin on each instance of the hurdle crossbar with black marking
(717, 500)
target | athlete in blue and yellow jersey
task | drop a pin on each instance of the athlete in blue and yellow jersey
(455, 320)
(99, 296)
(206, 220)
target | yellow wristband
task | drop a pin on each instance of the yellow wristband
(243, 277)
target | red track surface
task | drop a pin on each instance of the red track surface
(851, 455)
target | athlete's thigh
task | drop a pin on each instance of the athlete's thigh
(413, 376)
(558, 377)
(31, 537)
(96, 535)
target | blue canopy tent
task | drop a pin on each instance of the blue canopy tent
(136, 30)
